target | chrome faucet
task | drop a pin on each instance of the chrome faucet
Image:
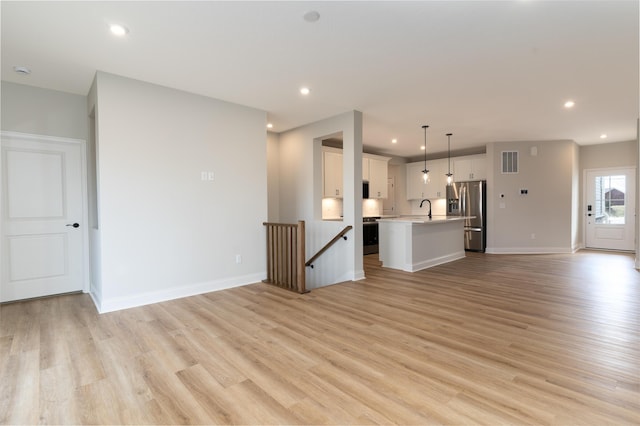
(429, 201)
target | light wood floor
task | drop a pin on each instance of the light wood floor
(536, 339)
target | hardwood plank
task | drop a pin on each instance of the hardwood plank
(58, 403)
(20, 389)
(211, 396)
(488, 339)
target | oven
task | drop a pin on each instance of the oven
(370, 234)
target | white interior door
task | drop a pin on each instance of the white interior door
(610, 209)
(389, 203)
(42, 217)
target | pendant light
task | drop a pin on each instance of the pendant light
(449, 175)
(425, 172)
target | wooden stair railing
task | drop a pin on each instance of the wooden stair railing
(285, 255)
(341, 234)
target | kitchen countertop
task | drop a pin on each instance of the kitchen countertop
(423, 219)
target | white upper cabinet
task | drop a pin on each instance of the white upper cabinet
(375, 170)
(416, 188)
(436, 186)
(469, 167)
(331, 173)
(436, 182)
(377, 175)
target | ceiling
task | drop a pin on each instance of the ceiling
(485, 71)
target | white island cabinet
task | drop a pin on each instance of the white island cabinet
(412, 243)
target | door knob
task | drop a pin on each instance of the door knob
(75, 225)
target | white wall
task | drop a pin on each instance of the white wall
(92, 184)
(165, 233)
(28, 109)
(301, 196)
(602, 156)
(542, 221)
(273, 177)
(576, 218)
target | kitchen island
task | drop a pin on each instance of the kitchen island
(412, 243)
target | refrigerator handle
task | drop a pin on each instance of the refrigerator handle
(463, 198)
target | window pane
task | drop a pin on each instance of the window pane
(610, 199)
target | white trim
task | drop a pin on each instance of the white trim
(359, 275)
(531, 250)
(97, 301)
(418, 266)
(177, 292)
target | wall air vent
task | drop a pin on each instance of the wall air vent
(509, 162)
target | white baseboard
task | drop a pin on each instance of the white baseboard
(118, 303)
(96, 299)
(435, 262)
(359, 275)
(529, 250)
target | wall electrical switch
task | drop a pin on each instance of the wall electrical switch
(210, 175)
(238, 258)
(203, 176)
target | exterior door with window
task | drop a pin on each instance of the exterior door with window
(42, 217)
(610, 209)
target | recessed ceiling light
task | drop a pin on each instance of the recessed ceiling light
(22, 70)
(603, 136)
(118, 30)
(394, 140)
(305, 90)
(269, 126)
(422, 147)
(311, 16)
(569, 104)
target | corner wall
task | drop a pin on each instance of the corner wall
(164, 231)
(300, 192)
(273, 177)
(542, 220)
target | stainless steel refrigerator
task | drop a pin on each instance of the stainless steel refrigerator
(470, 199)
